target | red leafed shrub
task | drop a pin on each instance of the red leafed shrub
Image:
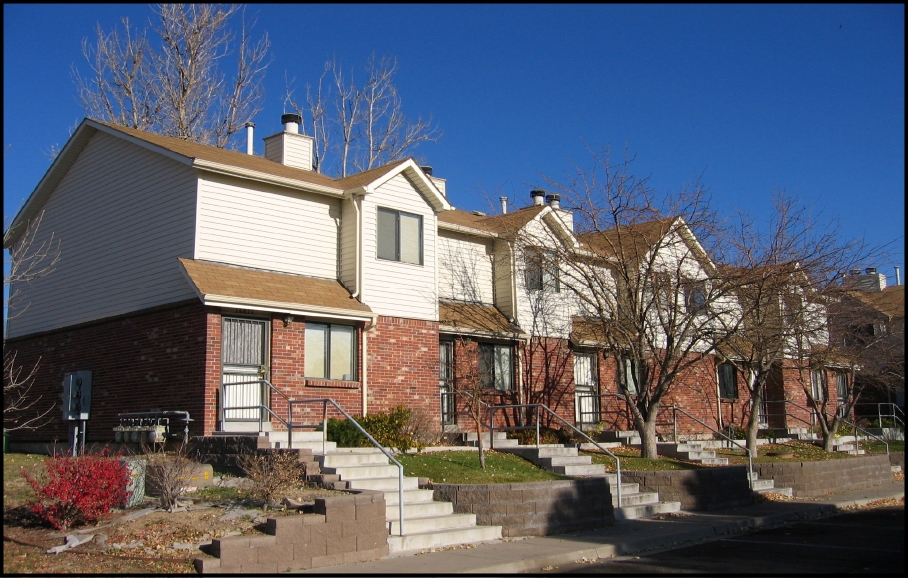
(79, 490)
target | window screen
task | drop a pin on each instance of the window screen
(728, 381)
(330, 351)
(399, 236)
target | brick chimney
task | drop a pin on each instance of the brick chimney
(289, 147)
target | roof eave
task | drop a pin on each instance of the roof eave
(234, 171)
(425, 185)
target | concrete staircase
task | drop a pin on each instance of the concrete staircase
(623, 437)
(427, 524)
(690, 452)
(847, 444)
(767, 486)
(565, 459)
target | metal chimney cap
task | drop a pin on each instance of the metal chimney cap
(537, 193)
(291, 118)
(855, 272)
(249, 124)
(426, 169)
(870, 270)
(550, 197)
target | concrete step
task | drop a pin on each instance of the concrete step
(410, 483)
(580, 470)
(360, 471)
(714, 461)
(667, 447)
(759, 484)
(645, 510)
(783, 491)
(410, 496)
(896, 469)
(565, 460)
(427, 524)
(443, 538)
(419, 509)
(338, 459)
(638, 498)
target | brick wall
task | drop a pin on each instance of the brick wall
(534, 508)
(812, 479)
(152, 359)
(712, 489)
(403, 365)
(343, 529)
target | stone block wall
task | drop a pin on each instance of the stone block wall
(223, 452)
(897, 458)
(534, 508)
(712, 489)
(812, 479)
(342, 529)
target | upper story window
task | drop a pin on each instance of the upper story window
(399, 236)
(541, 270)
(585, 370)
(728, 381)
(695, 298)
(330, 351)
(495, 369)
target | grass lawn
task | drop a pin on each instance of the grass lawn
(463, 468)
(631, 460)
(15, 489)
(800, 451)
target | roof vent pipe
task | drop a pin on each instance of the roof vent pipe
(855, 272)
(898, 276)
(250, 144)
(504, 204)
(553, 200)
(291, 122)
(538, 197)
(426, 169)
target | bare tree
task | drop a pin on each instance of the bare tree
(178, 89)
(363, 125)
(644, 280)
(783, 275)
(29, 258)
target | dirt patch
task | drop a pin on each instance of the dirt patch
(154, 541)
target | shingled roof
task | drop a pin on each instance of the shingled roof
(473, 317)
(247, 283)
(501, 224)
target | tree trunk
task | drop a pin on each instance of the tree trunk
(482, 453)
(753, 423)
(647, 429)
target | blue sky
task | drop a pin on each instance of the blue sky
(806, 98)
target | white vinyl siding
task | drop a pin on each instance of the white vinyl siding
(267, 227)
(399, 289)
(465, 268)
(122, 216)
(503, 272)
(348, 244)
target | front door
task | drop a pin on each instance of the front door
(586, 394)
(243, 367)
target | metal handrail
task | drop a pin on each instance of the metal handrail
(324, 402)
(857, 442)
(750, 460)
(400, 468)
(288, 424)
(563, 421)
(894, 412)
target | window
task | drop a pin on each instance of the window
(330, 351)
(695, 298)
(541, 270)
(399, 236)
(818, 384)
(728, 381)
(586, 396)
(631, 375)
(495, 368)
(585, 370)
(841, 387)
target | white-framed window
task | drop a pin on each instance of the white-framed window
(495, 369)
(399, 236)
(818, 384)
(631, 375)
(330, 351)
(695, 298)
(728, 381)
(542, 270)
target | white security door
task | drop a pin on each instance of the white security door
(243, 361)
(586, 396)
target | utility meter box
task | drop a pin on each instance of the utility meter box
(77, 395)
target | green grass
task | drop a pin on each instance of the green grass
(463, 468)
(798, 451)
(16, 491)
(631, 460)
(876, 447)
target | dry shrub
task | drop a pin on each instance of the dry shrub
(423, 428)
(272, 473)
(168, 472)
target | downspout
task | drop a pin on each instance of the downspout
(719, 398)
(365, 381)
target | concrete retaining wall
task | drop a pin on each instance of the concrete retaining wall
(343, 529)
(534, 508)
(897, 458)
(708, 489)
(812, 479)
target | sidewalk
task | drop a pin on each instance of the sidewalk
(630, 536)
